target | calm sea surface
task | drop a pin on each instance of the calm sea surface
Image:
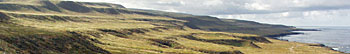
(337, 37)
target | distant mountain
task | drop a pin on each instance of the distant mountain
(67, 27)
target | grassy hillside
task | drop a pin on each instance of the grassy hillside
(66, 27)
(209, 23)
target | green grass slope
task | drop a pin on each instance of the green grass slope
(224, 25)
(66, 27)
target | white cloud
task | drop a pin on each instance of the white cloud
(307, 18)
(285, 14)
(213, 2)
(257, 6)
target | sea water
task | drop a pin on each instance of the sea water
(336, 37)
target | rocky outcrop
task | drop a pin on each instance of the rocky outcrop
(102, 4)
(14, 7)
(283, 34)
(73, 6)
(233, 42)
(124, 33)
(53, 18)
(257, 39)
(51, 6)
(4, 17)
(305, 30)
(106, 10)
(167, 43)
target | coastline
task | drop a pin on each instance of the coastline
(298, 33)
(290, 32)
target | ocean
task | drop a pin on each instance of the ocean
(336, 37)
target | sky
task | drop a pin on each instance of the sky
(286, 12)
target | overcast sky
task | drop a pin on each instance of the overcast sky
(287, 12)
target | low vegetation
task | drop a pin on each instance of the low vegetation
(66, 27)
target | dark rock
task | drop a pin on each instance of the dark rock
(106, 10)
(257, 39)
(167, 43)
(102, 4)
(14, 7)
(320, 45)
(52, 18)
(238, 43)
(305, 30)
(73, 6)
(114, 32)
(51, 6)
(283, 34)
(4, 17)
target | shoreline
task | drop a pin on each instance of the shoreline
(276, 36)
(290, 32)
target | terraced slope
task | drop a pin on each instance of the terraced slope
(66, 27)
